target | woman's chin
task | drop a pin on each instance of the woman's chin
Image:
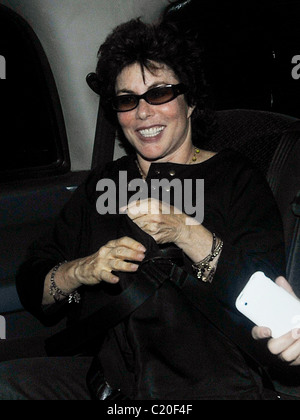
(151, 153)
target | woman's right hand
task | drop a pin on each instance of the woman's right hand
(116, 255)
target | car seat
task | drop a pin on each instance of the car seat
(272, 142)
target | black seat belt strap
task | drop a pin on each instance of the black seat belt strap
(74, 338)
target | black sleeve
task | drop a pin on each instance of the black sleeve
(252, 233)
(64, 242)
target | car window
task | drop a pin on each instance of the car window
(31, 124)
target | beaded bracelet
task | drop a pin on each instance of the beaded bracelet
(56, 292)
(203, 269)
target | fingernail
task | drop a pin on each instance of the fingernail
(267, 333)
(142, 248)
(134, 267)
(296, 333)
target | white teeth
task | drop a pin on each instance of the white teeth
(151, 132)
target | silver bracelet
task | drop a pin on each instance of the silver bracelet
(203, 269)
(57, 293)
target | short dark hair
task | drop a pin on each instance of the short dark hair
(162, 43)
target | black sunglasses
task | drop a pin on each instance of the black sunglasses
(156, 96)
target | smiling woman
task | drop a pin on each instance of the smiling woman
(153, 50)
(166, 349)
(158, 132)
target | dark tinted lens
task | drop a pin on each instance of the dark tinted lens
(155, 96)
(160, 95)
(124, 102)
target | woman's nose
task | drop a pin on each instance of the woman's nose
(144, 110)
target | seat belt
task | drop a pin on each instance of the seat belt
(74, 338)
(151, 276)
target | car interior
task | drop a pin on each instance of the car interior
(249, 47)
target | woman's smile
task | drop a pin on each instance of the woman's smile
(151, 132)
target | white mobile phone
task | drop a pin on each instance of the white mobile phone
(268, 305)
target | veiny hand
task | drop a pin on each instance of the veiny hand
(116, 255)
(163, 222)
(286, 347)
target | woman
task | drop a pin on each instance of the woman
(150, 78)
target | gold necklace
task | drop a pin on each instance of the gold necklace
(195, 156)
(194, 159)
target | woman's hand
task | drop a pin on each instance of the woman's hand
(167, 224)
(117, 255)
(287, 347)
(163, 222)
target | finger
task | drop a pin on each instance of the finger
(260, 333)
(296, 362)
(292, 354)
(281, 344)
(120, 265)
(124, 253)
(151, 227)
(146, 220)
(108, 277)
(136, 210)
(139, 208)
(127, 242)
(286, 347)
(282, 282)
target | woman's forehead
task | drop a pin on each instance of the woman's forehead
(135, 76)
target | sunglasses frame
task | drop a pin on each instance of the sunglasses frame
(177, 90)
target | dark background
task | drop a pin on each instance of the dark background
(248, 50)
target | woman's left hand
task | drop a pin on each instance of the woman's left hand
(167, 224)
(287, 347)
(163, 222)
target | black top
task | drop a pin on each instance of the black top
(239, 208)
(167, 349)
